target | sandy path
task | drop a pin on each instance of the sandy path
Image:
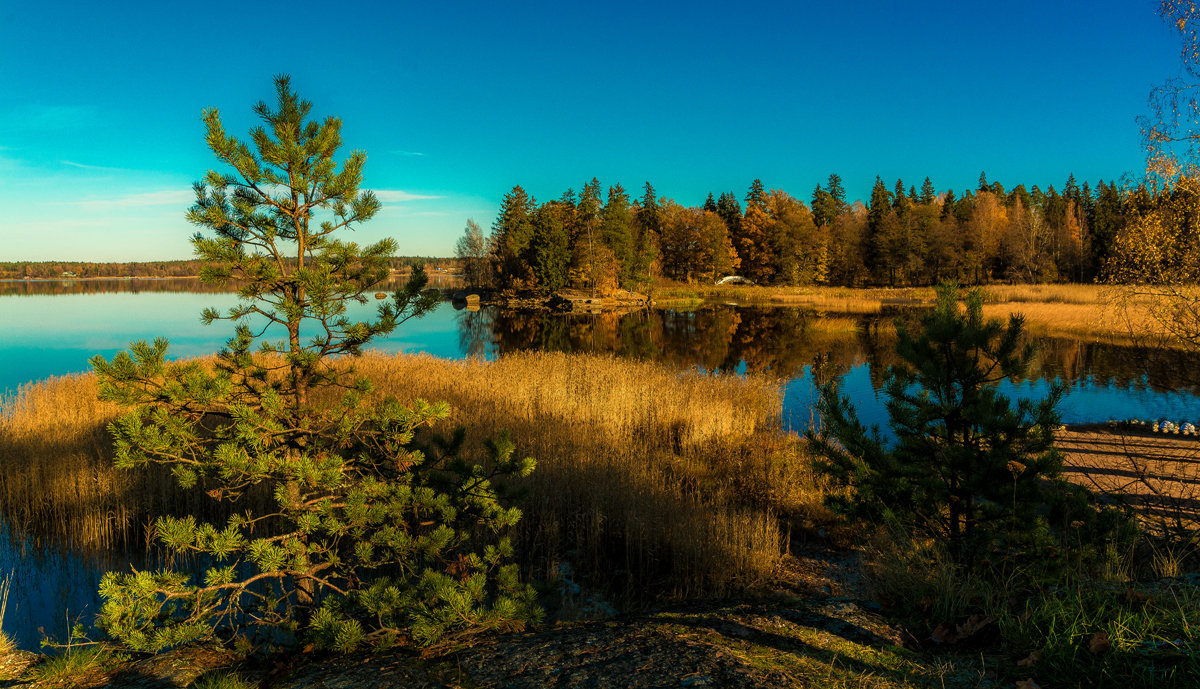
(1160, 472)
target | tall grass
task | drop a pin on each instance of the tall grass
(652, 477)
(648, 480)
(56, 474)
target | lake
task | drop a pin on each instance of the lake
(53, 329)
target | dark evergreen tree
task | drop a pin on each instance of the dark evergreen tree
(834, 186)
(1019, 193)
(647, 229)
(875, 242)
(616, 229)
(549, 253)
(948, 203)
(756, 195)
(511, 233)
(928, 195)
(1107, 221)
(709, 204)
(900, 201)
(731, 212)
(585, 236)
(967, 466)
(824, 207)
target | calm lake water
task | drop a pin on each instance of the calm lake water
(54, 328)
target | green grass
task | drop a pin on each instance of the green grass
(218, 679)
(1152, 636)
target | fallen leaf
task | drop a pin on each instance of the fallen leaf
(974, 625)
(944, 634)
(1027, 684)
(1031, 659)
(1133, 597)
(1099, 643)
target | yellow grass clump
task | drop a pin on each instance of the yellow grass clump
(649, 480)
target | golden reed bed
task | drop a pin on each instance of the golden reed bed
(656, 480)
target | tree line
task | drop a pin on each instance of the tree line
(51, 270)
(901, 236)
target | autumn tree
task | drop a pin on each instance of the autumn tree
(753, 238)
(1154, 260)
(800, 249)
(695, 244)
(984, 233)
(1027, 244)
(346, 526)
(472, 253)
(1171, 130)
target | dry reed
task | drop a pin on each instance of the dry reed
(649, 480)
(658, 478)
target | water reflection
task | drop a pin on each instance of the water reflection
(784, 341)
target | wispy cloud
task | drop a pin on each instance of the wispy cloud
(417, 154)
(84, 166)
(401, 196)
(166, 197)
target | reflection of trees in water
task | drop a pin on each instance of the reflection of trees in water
(1158, 369)
(474, 332)
(178, 284)
(106, 286)
(780, 340)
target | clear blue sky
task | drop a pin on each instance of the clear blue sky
(100, 132)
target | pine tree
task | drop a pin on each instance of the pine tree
(825, 207)
(647, 229)
(346, 530)
(834, 187)
(550, 251)
(967, 465)
(511, 233)
(585, 268)
(616, 229)
(948, 203)
(877, 239)
(928, 195)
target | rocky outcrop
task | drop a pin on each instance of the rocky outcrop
(565, 301)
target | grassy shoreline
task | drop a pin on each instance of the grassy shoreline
(1082, 311)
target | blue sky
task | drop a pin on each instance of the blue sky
(100, 132)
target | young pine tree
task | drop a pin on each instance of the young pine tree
(347, 530)
(967, 466)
